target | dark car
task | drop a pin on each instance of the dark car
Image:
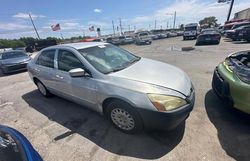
(243, 33)
(208, 36)
(14, 146)
(12, 61)
(231, 33)
(114, 40)
(40, 44)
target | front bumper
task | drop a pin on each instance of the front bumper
(166, 120)
(14, 68)
(230, 89)
(221, 87)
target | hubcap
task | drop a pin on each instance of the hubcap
(41, 88)
(122, 119)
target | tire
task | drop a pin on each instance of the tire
(184, 38)
(130, 121)
(42, 89)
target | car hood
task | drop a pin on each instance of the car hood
(157, 73)
(15, 60)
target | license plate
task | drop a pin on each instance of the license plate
(208, 39)
(240, 34)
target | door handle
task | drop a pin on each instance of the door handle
(37, 70)
(58, 76)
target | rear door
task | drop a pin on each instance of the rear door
(45, 68)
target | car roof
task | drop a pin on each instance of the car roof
(79, 45)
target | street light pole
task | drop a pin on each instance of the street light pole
(230, 10)
(34, 26)
(174, 19)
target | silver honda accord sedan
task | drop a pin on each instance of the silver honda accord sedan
(131, 91)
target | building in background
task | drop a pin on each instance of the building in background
(244, 14)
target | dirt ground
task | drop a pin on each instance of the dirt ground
(61, 130)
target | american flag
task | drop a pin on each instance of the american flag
(92, 28)
(55, 27)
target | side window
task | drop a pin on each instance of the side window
(68, 61)
(46, 58)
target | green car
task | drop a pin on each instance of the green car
(231, 80)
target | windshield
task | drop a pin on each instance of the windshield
(190, 28)
(108, 58)
(11, 55)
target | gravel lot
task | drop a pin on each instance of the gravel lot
(61, 130)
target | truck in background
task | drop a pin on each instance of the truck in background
(191, 30)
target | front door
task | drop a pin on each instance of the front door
(79, 89)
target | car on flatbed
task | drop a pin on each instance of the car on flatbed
(131, 91)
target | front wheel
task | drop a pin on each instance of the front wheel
(42, 89)
(124, 117)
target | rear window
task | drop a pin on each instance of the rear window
(46, 58)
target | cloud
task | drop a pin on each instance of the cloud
(190, 11)
(13, 26)
(98, 23)
(26, 16)
(97, 10)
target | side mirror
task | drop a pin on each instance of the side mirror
(78, 72)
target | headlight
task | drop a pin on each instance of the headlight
(166, 103)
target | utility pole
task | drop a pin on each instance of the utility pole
(113, 27)
(134, 28)
(174, 19)
(167, 24)
(34, 26)
(129, 28)
(120, 26)
(155, 24)
(230, 10)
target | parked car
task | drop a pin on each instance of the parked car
(15, 146)
(154, 37)
(231, 80)
(241, 33)
(191, 30)
(143, 37)
(131, 91)
(39, 45)
(13, 61)
(208, 36)
(162, 36)
(232, 34)
(128, 40)
(172, 34)
(114, 40)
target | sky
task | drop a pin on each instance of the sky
(75, 17)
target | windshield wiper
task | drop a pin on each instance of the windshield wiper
(123, 66)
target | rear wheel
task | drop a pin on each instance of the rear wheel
(42, 89)
(124, 117)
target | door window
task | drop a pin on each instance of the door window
(46, 58)
(67, 61)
